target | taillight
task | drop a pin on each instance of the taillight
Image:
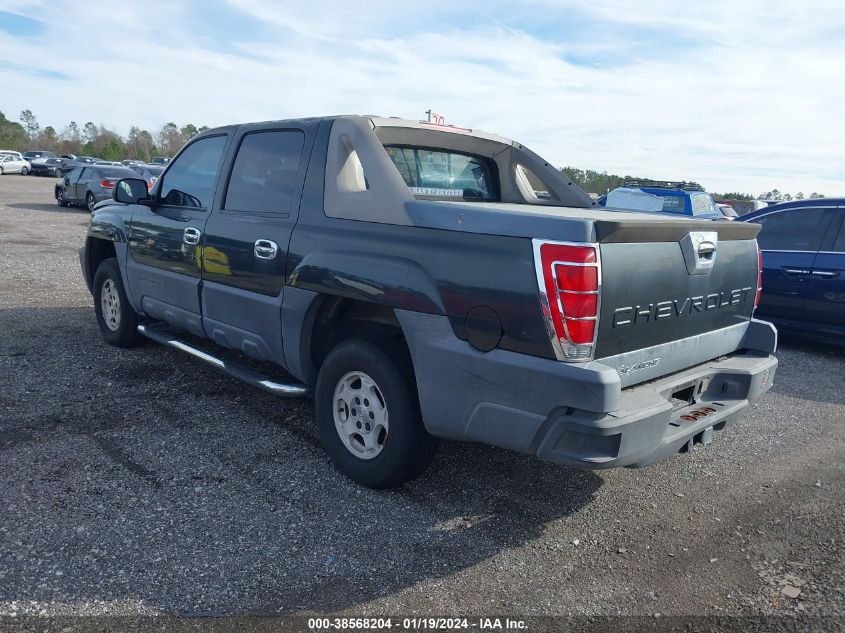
(569, 276)
(107, 184)
(759, 275)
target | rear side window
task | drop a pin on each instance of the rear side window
(190, 180)
(439, 174)
(265, 170)
(792, 230)
(674, 204)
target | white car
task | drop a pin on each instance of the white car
(12, 152)
(11, 164)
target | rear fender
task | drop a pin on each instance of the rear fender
(390, 281)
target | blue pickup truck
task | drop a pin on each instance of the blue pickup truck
(675, 198)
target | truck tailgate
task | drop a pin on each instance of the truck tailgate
(667, 292)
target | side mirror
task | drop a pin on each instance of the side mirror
(131, 191)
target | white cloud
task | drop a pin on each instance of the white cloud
(738, 95)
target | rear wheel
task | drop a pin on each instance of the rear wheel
(89, 201)
(368, 414)
(117, 320)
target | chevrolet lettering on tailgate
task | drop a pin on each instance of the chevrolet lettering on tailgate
(651, 312)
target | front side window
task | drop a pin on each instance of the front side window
(74, 174)
(191, 178)
(440, 174)
(792, 230)
(265, 170)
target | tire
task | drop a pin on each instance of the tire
(397, 448)
(60, 198)
(24, 171)
(117, 320)
(90, 202)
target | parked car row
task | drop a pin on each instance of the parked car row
(46, 163)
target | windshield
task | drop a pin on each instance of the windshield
(439, 174)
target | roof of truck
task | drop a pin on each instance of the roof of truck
(376, 121)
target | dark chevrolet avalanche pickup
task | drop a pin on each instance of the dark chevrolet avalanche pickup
(427, 281)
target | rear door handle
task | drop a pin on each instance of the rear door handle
(796, 271)
(191, 236)
(826, 274)
(266, 249)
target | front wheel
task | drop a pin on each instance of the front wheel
(24, 171)
(369, 416)
(117, 320)
(60, 198)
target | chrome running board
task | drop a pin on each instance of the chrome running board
(292, 390)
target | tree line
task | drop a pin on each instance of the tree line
(602, 182)
(94, 140)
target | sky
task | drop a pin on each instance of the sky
(739, 95)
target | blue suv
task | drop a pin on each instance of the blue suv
(803, 248)
(655, 196)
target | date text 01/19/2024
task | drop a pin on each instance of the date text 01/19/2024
(416, 624)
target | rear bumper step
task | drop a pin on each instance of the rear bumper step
(288, 390)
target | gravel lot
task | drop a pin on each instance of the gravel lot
(142, 482)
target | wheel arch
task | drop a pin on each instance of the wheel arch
(96, 251)
(314, 323)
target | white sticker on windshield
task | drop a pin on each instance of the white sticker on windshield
(436, 191)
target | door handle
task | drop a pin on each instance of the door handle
(266, 249)
(827, 274)
(796, 271)
(191, 236)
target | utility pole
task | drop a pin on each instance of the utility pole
(428, 113)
